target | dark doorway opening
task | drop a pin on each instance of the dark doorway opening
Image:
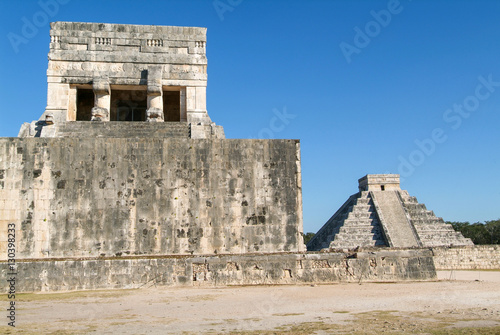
(172, 105)
(128, 105)
(84, 104)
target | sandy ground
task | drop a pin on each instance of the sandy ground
(461, 299)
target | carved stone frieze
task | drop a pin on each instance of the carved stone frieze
(85, 66)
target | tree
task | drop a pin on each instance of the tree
(307, 237)
(478, 232)
(458, 226)
(493, 228)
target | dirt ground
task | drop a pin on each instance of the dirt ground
(461, 302)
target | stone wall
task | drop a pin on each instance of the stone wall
(257, 269)
(80, 50)
(90, 197)
(467, 258)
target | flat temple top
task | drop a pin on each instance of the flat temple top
(379, 182)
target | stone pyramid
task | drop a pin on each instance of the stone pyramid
(381, 214)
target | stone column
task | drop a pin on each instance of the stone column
(57, 99)
(196, 105)
(102, 99)
(155, 95)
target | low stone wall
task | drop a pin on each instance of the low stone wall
(467, 258)
(254, 269)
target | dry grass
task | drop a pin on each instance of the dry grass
(377, 322)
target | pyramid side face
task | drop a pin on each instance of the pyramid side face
(325, 235)
(360, 226)
(354, 225)
(432, 231)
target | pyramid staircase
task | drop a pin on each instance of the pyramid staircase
(355, 224)
(360, 226)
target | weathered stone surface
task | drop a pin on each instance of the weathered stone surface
(250, 269)
(81, 197)
(154, 114)
(114, 129)
(477, 257)
(355, 223)
(99, 114)
(379, 182)
(381, 214)
(133, 201)
(49, 119)
(114, 58)
(397, 229)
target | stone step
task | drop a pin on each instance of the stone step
(434, 227)
(362, 201)
(456, 242)
(361, 208)
(427, 221)
(353, 244)
(434, 231)
(123, 129)
(440, 235)
(353, 232)
(360, 224)
(439, 243)
(415, 207)
(424, 217)
(364, 227)
(357, 222)
(357, 236)
(361, 215)
(119, 125)
(364, 194)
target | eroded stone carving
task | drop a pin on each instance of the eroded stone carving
(154, 114)
(102, 94)
(49, 119)
(100, 114)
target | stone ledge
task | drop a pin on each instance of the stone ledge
(221, 270)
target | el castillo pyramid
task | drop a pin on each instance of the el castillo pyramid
(381, 214)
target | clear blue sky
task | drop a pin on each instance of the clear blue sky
(410, 87)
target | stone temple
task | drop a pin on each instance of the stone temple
(381, 214)
(115, 73)
(125, 160)
(125, 182)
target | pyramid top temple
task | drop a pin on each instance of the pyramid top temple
(379, 182)
(109, 73)
(381, 214)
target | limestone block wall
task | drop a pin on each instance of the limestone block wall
(74, 197)
(125, 55)
(467, 257)
(79, 49)
(267, 269)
